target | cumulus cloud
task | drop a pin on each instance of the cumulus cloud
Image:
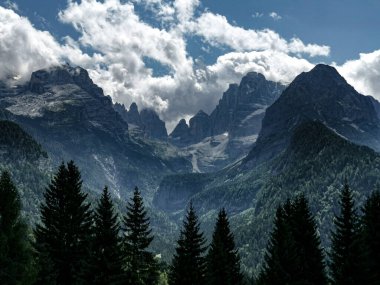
(24, 49)
(363, 73)
(120, 42)
(218, 31)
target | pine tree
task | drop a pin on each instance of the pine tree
(346, 262)
(15, 250)
(188, 265)
(371, 237)
(294, 254)
(107, 261)
(142, 268)
(223, 263)
(280, 260)
(308, 245)
(64, 234)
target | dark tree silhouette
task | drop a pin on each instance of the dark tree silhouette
(188, 265)
(371, 237)
(63, 237)
(294, 254)
(346, 253)
(141, 266)
(15, 250)
(223, 263)
(107, 261)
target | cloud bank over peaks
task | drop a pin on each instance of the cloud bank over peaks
(24, 49)
(121, 40)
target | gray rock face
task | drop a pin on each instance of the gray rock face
(239, 112)
(147, 123)
(320, 95)
(229, 132)
(254, 95)
(72, 119)
(224, 112)
(152, 125)
(181, 134)
(133, 115)
(41, 80)
(200, 126)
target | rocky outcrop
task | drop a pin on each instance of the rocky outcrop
(41, 80)
(152, 125)
(238, 113)
(146, 123)
(319, 95)
(181, 134)
(133, 115)
(72, 119)
(223, 114)
(200, 126)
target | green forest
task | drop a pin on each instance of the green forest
(75, 242)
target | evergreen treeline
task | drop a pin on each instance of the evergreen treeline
(75, 244)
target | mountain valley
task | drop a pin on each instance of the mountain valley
(263, 143)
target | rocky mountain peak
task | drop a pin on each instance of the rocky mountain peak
(181, 133)
(133, 108)
(133, 115)
(201, 113)
(200, 126)
(322, 76)
(60, 75)
(318, 95)
(152, 125)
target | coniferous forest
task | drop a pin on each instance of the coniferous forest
(75, 242)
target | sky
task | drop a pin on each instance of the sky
(179, 56)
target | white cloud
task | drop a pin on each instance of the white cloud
(121, 42)
(219, 32)
(363, 73)
(24, 49)
(275, 16)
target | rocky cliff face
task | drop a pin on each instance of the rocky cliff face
(181, 134)
(229, 132)
(133, 115)
(152, 125)
(238, 113)
(200, 126)
(319, 95)
(72, 119)
(147, 122)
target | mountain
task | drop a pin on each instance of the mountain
(321, 94)
(146, 123)
(72, 119)
(314, 136)
(27, 162)
(316, 162)
(228, 133)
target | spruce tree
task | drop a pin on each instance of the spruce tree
(141, 267)
(308, 245)
(15, 250)
(346, 255)
(223, 263)
(64, 234)
(188, 265)
(107, 262)
(371, 237)
(294, 254)
(280, 260)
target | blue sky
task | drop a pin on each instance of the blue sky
(349, 27)
(178, 56)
